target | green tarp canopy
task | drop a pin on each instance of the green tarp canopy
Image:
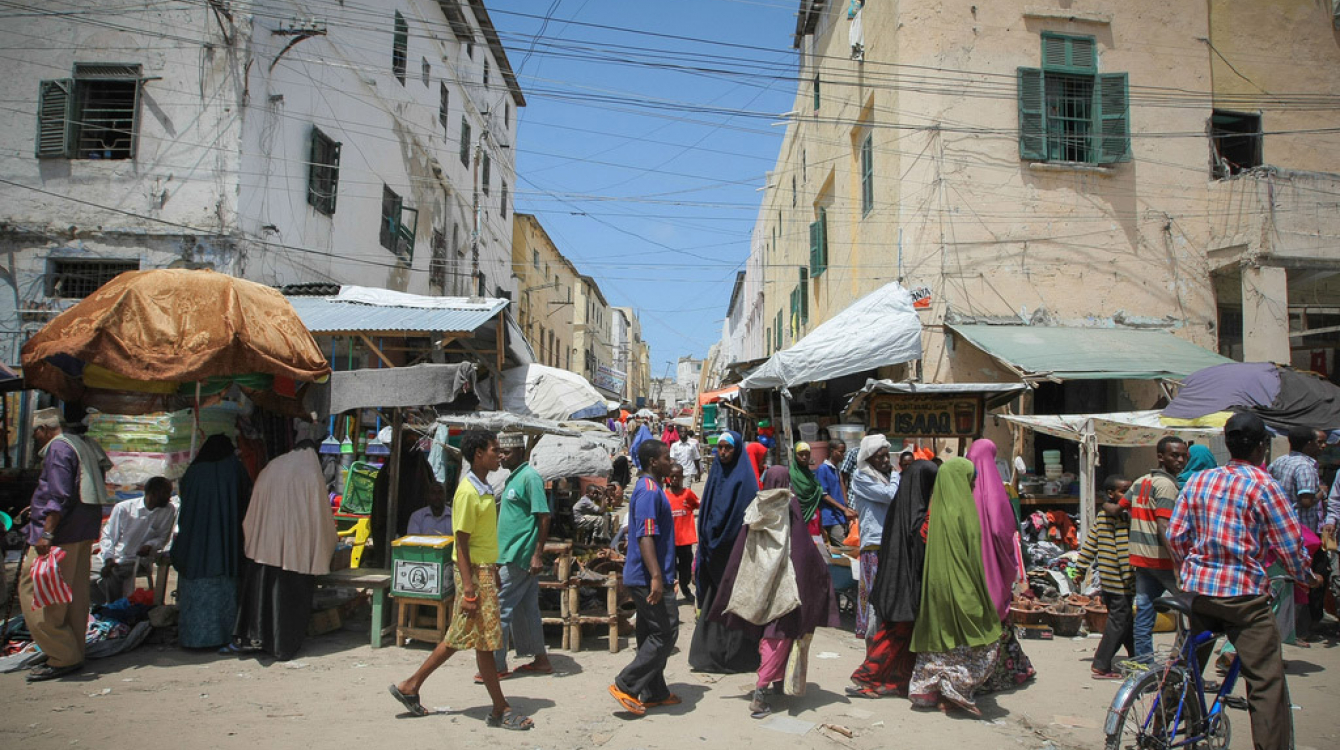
(1089, 353)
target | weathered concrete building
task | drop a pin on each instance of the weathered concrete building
(348, 146)
(592, 344)
(1078, 164)
(546, 284)
(632, 355)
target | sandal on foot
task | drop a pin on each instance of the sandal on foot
(671, 700)
(758, 707)
(863, 692)
(510, 720)
(1095, 674)
(47, 672)
(410, 702)
(530, 669)
(479, 679)
(630, 704)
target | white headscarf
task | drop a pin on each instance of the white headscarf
(870, 445)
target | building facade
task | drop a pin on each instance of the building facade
(592, 344)
(546, 293)
(1083, 164)
(632, 355)
(349, 147)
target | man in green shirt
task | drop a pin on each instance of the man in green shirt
(523, 527)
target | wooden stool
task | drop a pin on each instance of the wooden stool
(409, 623)
(610, 617)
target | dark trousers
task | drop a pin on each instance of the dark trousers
(1250, 626)
(657, 631)
(1120, 630)
(684, 569)
(1308, 617)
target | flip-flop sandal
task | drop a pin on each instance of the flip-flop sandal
(1105, 675)
(631, 705)
(672, 700)
(479, 679)
(531, 669)
(760, 713)
(48, 672)
(863, 692)
(510, 720)
(410, 702)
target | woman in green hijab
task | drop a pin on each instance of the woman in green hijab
(958, 631)
(806, 488)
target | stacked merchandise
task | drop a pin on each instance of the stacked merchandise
(148, 445)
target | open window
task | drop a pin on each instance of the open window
(92, 115)
(1235, 142)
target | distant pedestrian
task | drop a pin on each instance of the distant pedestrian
(1300, 479)
(1106, 548)
(475, 622)
(685, 453)
(683, 502)
(648, 574)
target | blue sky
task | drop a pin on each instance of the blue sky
(646, 135)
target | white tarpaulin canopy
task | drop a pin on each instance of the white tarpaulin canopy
(1128, 429)
(550, 393)
(876, 330)
(556, 457)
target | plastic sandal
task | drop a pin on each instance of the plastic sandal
(631, 705)
(479, 679)
(1095, 674)
(510, 720)
(530, 669)
(410, 702)
(672, 700)
(758, 707)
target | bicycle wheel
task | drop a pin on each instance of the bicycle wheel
(1152, 710)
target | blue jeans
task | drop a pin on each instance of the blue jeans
(1150, 584)
(519, 610)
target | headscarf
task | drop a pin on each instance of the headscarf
(776, 477)
(642, 436)
(1200, 458)
(670, 435)
(902, 553)
(999, 549)
(805, 486)
(729, 489)
(870, 445)
(956, 606)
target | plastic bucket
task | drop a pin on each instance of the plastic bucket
(850, 434)
(818, 453)
(809, 431)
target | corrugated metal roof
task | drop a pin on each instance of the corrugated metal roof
(322, 315)
(1090, 353)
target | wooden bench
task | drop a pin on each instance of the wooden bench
(376, 579)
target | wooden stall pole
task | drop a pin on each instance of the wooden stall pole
(393, 496)
(1088, 464)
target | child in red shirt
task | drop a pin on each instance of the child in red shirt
(683, 502)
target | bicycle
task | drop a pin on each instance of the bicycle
(1156, 709)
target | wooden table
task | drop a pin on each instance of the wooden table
(376, 579)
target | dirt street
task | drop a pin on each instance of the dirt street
(334, 695)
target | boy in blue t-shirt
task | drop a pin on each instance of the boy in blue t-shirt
(648, 573)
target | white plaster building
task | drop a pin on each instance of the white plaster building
(285, 141)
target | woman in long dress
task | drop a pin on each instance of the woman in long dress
(731, 487)
(957, 632)
(784, 588)
(207, 552)
(1001, 559)
(896, 595)
(873, 488)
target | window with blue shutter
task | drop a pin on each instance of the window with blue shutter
(1068, 111)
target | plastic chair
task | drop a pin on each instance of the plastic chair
(360, 531)
(357, 500)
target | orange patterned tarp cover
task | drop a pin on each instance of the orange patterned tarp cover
(174, 325)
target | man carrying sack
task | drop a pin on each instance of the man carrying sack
(64, 520)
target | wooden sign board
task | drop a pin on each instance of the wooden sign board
(927, 416)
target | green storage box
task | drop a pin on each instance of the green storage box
(421, 567)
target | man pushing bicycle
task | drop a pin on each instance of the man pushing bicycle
(1224, 524)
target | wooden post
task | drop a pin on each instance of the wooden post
(393, 496)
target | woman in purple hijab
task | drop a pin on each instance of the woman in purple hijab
(1000, 559)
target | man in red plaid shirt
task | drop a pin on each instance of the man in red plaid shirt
(1225, 522)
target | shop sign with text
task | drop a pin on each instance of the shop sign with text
(925, 415)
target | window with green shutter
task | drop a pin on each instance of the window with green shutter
(777, 331)
(819, 244)
(323, 172)
(804, 296)
(465, 142)
(400, 48)
(94, 114)
(816, 92)
(1068, 111)
(867, 174)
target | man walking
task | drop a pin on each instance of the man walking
(648, 574)
(475, 620)
(835, 513)
(1298, 477)
(523, 528)
(1150, 501)
(1225, 523)
(685, 453)
(65, 513)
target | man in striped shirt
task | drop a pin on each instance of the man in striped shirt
(1300, 480)
(1150, 502)
(1106, 548)
(1225, 522)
